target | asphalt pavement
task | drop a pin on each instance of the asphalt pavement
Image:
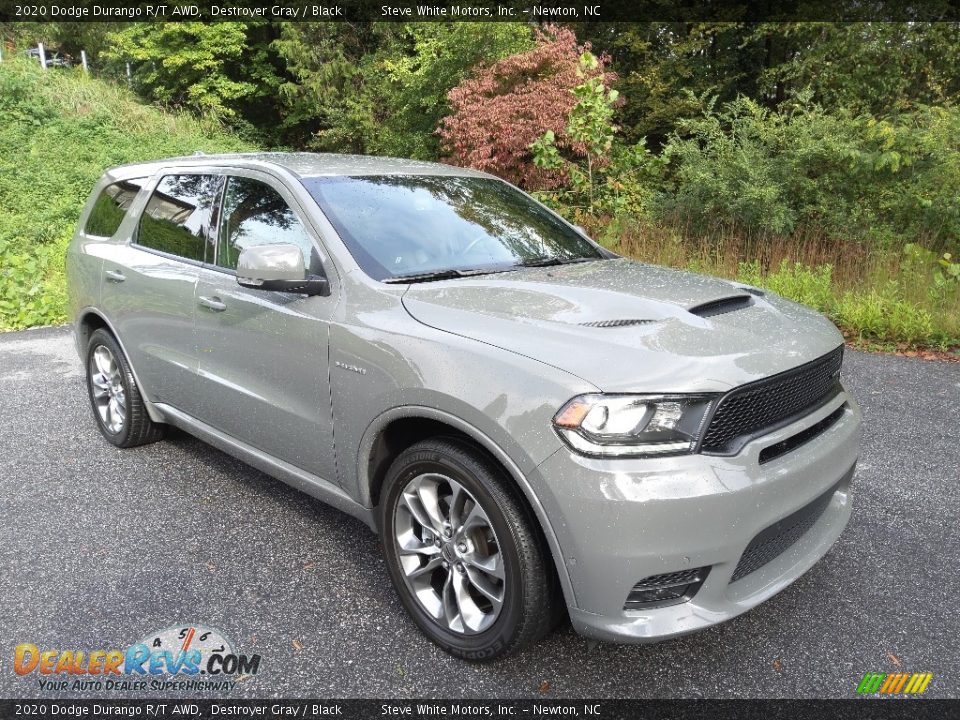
(99, 547)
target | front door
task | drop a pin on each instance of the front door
(263, 355)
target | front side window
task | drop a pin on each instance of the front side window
(255, 214)
(177, 219)
(397, 225)
(111, 207)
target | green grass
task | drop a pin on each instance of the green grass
(59, 130)
(880, 298)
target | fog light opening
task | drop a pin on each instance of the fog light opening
(666, 589)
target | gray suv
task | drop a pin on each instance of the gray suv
(537, 428)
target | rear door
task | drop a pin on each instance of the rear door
(263, 355)
(106, 226)
(149, 284)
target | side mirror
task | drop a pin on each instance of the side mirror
(278, 267)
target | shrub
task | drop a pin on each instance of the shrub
(744, 165)
(886, 181)
(500, 110)
(885, 317)
(32, 290)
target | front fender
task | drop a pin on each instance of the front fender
(515, 471)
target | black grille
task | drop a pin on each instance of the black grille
(765, 405)
(779, 537)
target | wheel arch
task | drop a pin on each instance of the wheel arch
(89, 320)
(399, 428)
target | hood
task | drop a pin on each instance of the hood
(627, 326)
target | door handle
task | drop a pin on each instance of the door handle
(115, 276)
(213, 303)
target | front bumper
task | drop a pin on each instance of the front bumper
(618, 521)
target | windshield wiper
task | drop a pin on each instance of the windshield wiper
(450, 273)
(548, 261)
(435, 275)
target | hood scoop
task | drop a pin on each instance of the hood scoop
(722, 306)
(624, 322)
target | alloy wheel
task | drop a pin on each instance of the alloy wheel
(106, 382)
(449, 554)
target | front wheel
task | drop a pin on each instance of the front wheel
(462, 554)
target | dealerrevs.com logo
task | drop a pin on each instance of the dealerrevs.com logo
(182, 657)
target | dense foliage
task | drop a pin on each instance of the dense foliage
(852, 177)
(665, 69)
(58, 132)
(381, 88)
(734, 148)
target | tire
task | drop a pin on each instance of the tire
(498, 592)
(114, 396)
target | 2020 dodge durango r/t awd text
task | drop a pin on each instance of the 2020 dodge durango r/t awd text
(536, 427)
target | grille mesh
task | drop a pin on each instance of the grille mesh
(681, 577)
(779, 537)
(765, 404)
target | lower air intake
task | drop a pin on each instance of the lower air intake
(781, 536)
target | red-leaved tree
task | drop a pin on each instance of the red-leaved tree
(503, 108)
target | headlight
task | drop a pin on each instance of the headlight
(633, 425)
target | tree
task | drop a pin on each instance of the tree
(502, 109)
(667, 70)
(224, 69)
(865, 67)
(323, 108)
(382, 88)
(589, 128)
(427, 61)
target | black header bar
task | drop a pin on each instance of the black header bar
(307, 709)
(564, 11)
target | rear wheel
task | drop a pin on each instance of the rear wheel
(115, 398)
(462, 553)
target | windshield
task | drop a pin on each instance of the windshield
(399, 225)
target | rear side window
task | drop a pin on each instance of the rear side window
(255, 214)
(111, 207)
(177, 219)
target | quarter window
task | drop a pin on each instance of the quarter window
(255, 214)
(111, 207)
(177, 220)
